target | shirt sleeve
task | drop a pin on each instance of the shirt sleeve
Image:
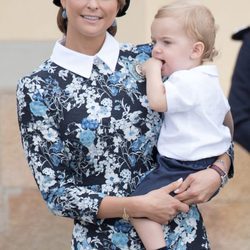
(49, 159)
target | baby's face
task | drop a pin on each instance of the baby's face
(171, 45)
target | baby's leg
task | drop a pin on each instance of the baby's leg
(150, 233)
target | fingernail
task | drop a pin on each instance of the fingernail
(177, 190)
(180, 180)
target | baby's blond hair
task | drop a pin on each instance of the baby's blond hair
(198, 22)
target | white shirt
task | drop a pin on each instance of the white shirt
(193, 125)
(82, 64)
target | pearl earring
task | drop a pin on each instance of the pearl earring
(64, 14)
(114, 24)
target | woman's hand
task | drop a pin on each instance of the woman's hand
(160, 206)
(199, 187)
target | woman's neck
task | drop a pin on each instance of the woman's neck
(85, 45)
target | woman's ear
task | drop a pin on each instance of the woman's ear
(198, 50)
(63, 3)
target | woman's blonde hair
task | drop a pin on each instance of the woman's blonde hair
(62, 22)
(198, 22)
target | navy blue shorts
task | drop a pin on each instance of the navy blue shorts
(169, 170)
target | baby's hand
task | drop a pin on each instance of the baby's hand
(151, 65)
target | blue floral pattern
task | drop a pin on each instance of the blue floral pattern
(88, 138)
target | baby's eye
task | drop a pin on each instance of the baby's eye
(166, 42)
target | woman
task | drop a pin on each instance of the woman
(89, 135)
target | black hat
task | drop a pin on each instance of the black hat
(120, 13)
(57, 3)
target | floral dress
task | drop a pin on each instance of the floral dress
(86, 138)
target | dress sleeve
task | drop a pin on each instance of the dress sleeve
(48, 157)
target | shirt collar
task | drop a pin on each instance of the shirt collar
(209, 69)
(82, 64)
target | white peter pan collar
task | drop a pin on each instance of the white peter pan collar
(209, 69)
(82, 64)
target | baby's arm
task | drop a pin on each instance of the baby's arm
(155, 88)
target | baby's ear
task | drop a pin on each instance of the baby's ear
(198, 50)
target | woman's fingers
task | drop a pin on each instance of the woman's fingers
(173, 186)
(163, 207)
(198, 187)
(184, 185)
(177, 205)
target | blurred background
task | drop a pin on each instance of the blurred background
(28, 32)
